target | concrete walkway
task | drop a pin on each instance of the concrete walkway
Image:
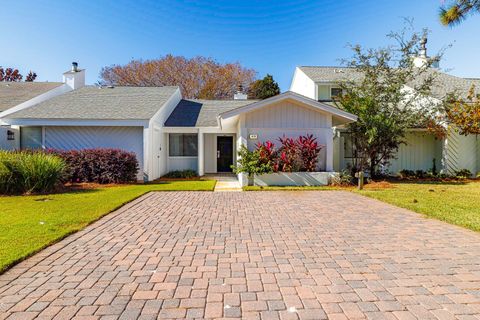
(252, 255)
(226, 182)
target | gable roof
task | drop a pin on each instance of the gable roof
(15, 93)
(341, 115)
(445, 83)
(201, 113)
(95, 103)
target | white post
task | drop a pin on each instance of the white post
(329, 146)
(201, 151)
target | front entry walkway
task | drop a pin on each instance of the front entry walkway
(252, 255)
(225, 182)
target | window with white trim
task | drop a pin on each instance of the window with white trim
(183, 145)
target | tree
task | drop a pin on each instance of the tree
(31, 76)
(263, 88)
(198, 77)
(10, 75)
(463, 115)
(385, 108)
(13, 75)
(457, 11)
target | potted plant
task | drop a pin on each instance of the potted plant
(250, 163)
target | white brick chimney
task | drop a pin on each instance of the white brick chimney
(74, 78)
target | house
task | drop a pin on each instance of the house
(167, 132)
(422, 149)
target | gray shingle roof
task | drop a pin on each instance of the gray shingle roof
(15, 93)
(93, 103)
(201, 113)
(445, 83)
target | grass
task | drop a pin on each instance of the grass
(454, 202)
(30, 223)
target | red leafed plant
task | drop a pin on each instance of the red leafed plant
(309, 150)
(289, 160)
(268, 154)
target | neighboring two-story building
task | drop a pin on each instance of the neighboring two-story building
(422, 148)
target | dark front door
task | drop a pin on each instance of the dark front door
(224, 154)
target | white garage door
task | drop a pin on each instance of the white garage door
(75, 138)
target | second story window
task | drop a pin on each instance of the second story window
(335, 92)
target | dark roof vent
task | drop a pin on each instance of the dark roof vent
(74, 66)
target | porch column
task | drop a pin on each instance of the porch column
(329, 146)
(201, 152)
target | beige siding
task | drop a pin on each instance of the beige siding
(287, 114)
(418, 153)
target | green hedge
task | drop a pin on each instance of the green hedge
(29, 172)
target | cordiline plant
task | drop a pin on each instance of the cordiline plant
(309, 150)
(290, 157)
(268, 154)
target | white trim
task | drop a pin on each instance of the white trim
(196, 129)
(76, 122)
(294, 96)
(200, 153)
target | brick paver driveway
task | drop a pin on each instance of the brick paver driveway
(268, 255)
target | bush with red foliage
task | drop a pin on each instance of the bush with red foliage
(290, 157)
(299, 154)
(99, 165)
(268, 154)
(309, 150)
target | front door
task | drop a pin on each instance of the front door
(224, 154)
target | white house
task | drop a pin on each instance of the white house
(455, 152)
(167, 132)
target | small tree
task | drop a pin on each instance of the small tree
(31, 76)
(386, 109)
(250, 163)
(464, 114)
(263, 88)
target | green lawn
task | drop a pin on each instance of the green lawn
(30, 223)
(455, 203)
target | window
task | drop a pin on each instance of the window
(182, 144)
(349, 146)
(335, 92)
(31, 137)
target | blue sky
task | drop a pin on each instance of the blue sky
(269, 36)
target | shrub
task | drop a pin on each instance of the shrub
(268, 154)
(309, 150)
(463, 174)
(29, 172)
(405, 174)
(99, 165)
(343, 179)
(181, 174)
(249, 162)
(290, 157)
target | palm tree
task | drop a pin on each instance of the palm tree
(458, 11)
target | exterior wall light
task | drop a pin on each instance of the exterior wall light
(10, 135)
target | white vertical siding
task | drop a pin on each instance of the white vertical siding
(76, 138)
(6, 144)
(287, 114)
(461, 152)
(302, 84)
(210, 153)
(417, 154)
